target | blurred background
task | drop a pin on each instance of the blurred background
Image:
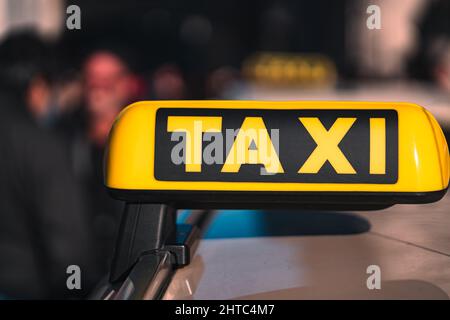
(65, 73)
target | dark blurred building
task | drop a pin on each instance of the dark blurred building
(201, 36)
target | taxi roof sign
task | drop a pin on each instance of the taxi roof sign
(258, 153)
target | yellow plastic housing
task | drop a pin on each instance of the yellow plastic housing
(423, 156)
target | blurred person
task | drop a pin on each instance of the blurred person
(67, 98)
(223, 82)
(56, 91)
(37, 95)
(168, 83)
(108, 86)
(432, 60)
(43, 223)
(441, 68)
(53, 98)
(383, 53)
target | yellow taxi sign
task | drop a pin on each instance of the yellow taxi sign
(308, 70)
(233, 153)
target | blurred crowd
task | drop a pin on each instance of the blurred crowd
(54, 126)
(55, 118)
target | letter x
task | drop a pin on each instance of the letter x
(327, 145)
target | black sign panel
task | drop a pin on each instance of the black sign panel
(295, 146)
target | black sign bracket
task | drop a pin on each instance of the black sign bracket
(148, 229)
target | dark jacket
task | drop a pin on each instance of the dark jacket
(43, 225)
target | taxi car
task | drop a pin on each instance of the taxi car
(325, 157)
